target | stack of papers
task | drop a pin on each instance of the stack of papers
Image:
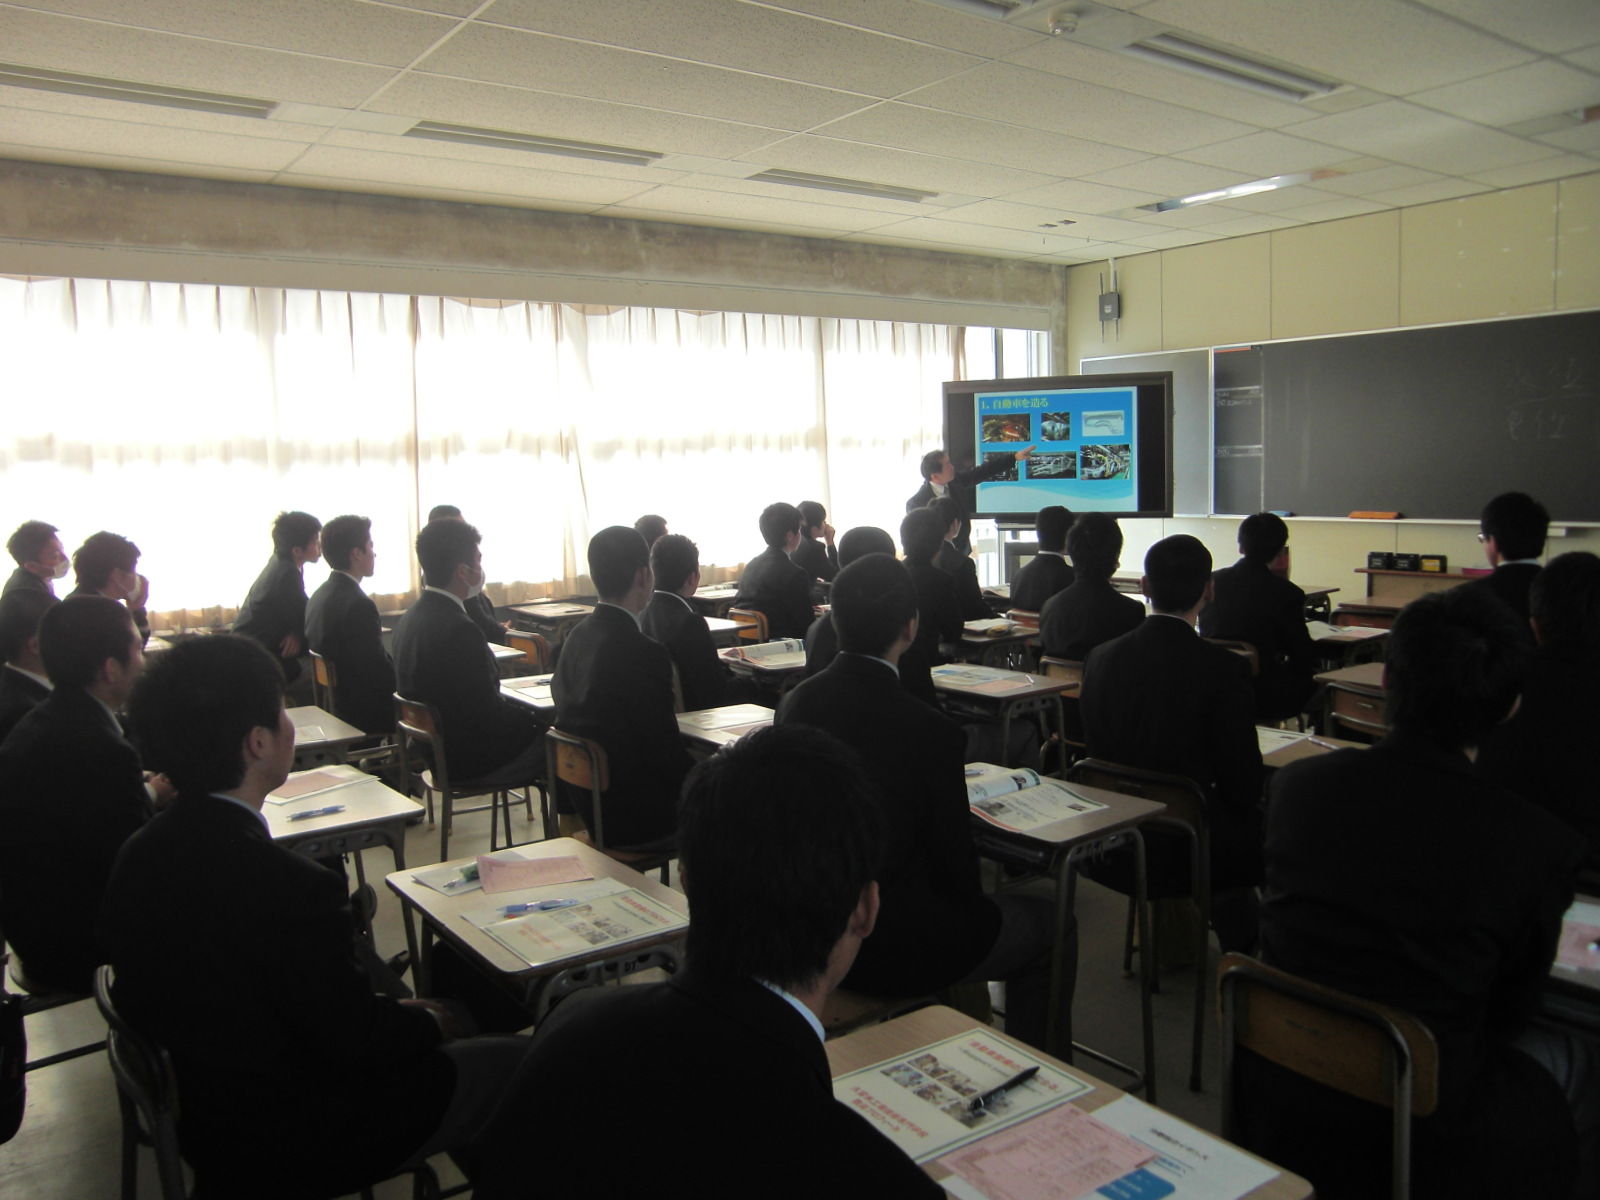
(301, 784)
(988, 680)
(993, 627)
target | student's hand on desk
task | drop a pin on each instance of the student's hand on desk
(448, 1024)
(1023, 453)
(291, 646)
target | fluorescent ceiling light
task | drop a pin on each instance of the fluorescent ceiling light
(1229, 66)
(502, 139)
(105, 88)
(1229, 193)
(856, 187)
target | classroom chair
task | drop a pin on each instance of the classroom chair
(1244, 650)
(535, 650)
(1022, 616)
(754, 622)
(1068, 738)
(1186, 816)
(581, 762)
(375, 757)
(1374, 1053)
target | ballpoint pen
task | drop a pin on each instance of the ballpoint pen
(327, 811)
(981, 1101)
(533, 906)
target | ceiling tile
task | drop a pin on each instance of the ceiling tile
(960, 233)
(1386, 45)
(124, 162)
(851, 160)
(1549, 25)
(452, 8)
(1532, 90)
(817, 196)
(1025, 218)
(1076, 196)
(1588, 59)
(907, 127)
(1173, 238)
(1193, 216)
(795, 211)
(91, 48)
(1427, 193)
(1334, 210)
(1254, 223)
(1043, 101)
(555, 65)
(1170, 177)
(1585, 139)
(1560, 167)
(1361, 183)
(428, 150)
(728, 33)
(1407, 133)
(810, 232)
(344, 29)
(1279, 199)
(155, 114)
(1113, 229)
(919, 21)
(1265, 154)
(42, 130)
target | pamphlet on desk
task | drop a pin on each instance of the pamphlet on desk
(1021, 800)
(1321, 629)
(783, 654)
(990, 627)
(301, 784)
(987, 680)
(1578, 954)
(606, 914)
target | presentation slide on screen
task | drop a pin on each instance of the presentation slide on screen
(1083, 450)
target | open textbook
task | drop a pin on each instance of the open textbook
(1021, 800)
(781, 654)
(606, 914)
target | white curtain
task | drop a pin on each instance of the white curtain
(186, 416)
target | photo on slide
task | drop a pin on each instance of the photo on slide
(1015, 428)
(1010, 474)
(1055, 465)
(1106, 462)
(1111, 424)
(1055, 427)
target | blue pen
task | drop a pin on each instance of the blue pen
(532, 906)
(317, 812)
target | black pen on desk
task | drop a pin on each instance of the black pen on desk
(981, 1102)
(317, 812)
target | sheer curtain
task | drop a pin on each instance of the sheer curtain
(186, 416)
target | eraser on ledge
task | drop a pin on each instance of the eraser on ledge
(1281, 512)
(1362, 515)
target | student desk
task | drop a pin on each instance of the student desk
(539, 986)
(769, 670)
(1355, 695)
(707, 730)
(533, 691)
(1572, 995)
(1054, 850)
(899, 1038)
(1346, 644)
(993, 649)
(550, 617)
(1277, 751)
(715, 599)
(1374, 611)
(320, 737)
(723, 631)
(1005, 694)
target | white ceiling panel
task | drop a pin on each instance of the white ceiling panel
(1261, 155)
(452, 8)
(1534, 89)
(1549, 25)
(1025, 218)
(961, 233)
(1044, 101)
(1193, 217)
(1588, 59)
(1334, 210)
(1279, 199)
(1380, 179)
(796, 211)
(1385, 45)
(101, 160)
(1254, 223)
(1077, 196)
(919, 21)
(851, 160)
(1173, 238)
(818, 197)
(438, 156)
(163, 143)
(155, 114)
(1427, 193)
(1113, 229)
(1558, 167)
(1406, 133)
(729, 33)
(1170, 177)
(1585, 139)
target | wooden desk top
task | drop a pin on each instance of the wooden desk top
(552, 610)
(717, 591)
(530, 690)
(715, 727)
(995, 684)
(334, 732)
(1303, 747)
(446, 913)
(926, 1026)
(504, 653)
(367, 801)
(1341, 636)
(1120, 812)
(1363, 677)
(722, 630)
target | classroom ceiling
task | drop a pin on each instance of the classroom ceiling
(975, 129)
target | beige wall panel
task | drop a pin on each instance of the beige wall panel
(1217, 293)
(1578, 243)
(1336, 277)
(1139, 281)
(1481, 256)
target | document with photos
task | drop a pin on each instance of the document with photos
(986, 680)
(301, 784)
(1321, 629)
(1063, 1154)
(783, 653)
(1578, 954)
(1035, 807)
(1270, 739)
(606, 914)
(922, 1101)
(1189, 1164)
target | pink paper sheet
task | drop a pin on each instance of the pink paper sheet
(510, 875)
(1061, 1154)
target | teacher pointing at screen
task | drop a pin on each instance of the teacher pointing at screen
(940, 478)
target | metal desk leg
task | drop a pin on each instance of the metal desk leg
(1054, 1043)
(1146, 979)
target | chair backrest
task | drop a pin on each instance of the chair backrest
(754, 622)
(1065, 669)
(1023, 616)
(1185, 799)
(1372, 1052)
(535, 649)
(581, 763)
(145, 1080)
(416, 721)
(1243, 649)
(324, 681)
(677, 690)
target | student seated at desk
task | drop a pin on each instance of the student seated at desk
(107, 564)
(773, 585)
(440, 658)
(71, 792)
(614, 685)
(274, 612)
(815, 555)
(1512, 528)
(938, 607)
(669, 618)
(957, 565)
(342, 625)
(1048, 573)
(651, 527)
(479, 607)
(1252, 603)
(40, 557)
(238, 957)
(1162, 698)
(937, 927)
(24, 682)
(1401, 875)
(1090, 611)
(716, 1081)
(1545, 752)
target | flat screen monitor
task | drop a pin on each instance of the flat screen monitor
(1101, 443)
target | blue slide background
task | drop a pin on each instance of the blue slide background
(1080, 495)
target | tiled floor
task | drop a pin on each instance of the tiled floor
(67, 1148)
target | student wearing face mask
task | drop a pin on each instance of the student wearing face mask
(480, 608)
(441, 658)
(40, 556)
(107, 564)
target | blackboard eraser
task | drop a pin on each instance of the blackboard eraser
(1280, 512)
(1364, 515)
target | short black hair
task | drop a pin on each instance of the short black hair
(291, 530)
(921, 534)
(444, 545)
(444, 512)
(100, 554)
(932, 463)
(1177, 568)
(1051, 523)
(1453, 666)
(1565, 600)
(615, 555)
(79, 634)
(1517, 523)
(812, 514)
(1094, 544)
(341, 536)
(196, 703)
(29, 541)
(864, 540)
(673, 558)
(20, 614)
(778, 835)
(1262, 536)
(778, 521)
(949, 512)
(872, 600)
(650, 527)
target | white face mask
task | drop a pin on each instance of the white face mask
(476, 588)
(61, 569)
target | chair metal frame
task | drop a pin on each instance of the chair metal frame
(582, 762)
(419, 722)
(752, 618)
(535, 649)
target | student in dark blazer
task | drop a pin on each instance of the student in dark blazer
(238, 956)
(40, 557)
(479, 607)
(440, 658)
(780, 844)
(940, 478)
(1400, 874)
(1252, 603)
(274, 612)
(71, 792)
(343, 626)
(936, 926)
(1049, 572)
(938, 608)
(614, 685)
(1164, 699)
(957, 565)
(24, 683)
(107, 564)
(816, 554)
(772, 584)
(1090, 611)
(1512, 528)
(670, 619)
(650, 527)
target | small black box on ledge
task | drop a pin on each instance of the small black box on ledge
(1407, 562)
(1380, 560)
